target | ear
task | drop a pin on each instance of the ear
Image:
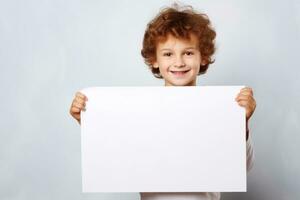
(203, 62)
(155, 65)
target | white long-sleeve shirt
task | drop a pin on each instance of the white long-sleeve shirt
(196, 195)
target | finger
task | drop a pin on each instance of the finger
(249, 107)
(77, 105)
(75, 110)
(247, 89)
(79, 94)
(248, 103)
(244, 94)
(243, 103)
(244, 97)
(79, 100)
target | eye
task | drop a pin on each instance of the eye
(167, 54)
(189, 53)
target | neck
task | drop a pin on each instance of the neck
(192, 83)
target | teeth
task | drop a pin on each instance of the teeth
(179, 71)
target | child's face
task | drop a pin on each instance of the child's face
(178, 61)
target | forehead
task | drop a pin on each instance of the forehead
(171, 41)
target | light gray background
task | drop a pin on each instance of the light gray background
(51, 49)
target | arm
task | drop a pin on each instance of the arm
(249, 153)
(245, 99)
(247, 131)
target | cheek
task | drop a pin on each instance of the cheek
(163, 64)
(197, 62)
(194, 64)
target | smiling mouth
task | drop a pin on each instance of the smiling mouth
(179, 72)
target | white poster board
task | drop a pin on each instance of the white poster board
(163, 139)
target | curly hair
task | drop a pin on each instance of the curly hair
(181, 22)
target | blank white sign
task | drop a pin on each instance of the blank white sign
(163, 139)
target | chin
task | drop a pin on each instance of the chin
(181, 83)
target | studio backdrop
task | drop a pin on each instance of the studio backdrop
(49, 50)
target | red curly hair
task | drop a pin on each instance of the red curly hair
(181, 22)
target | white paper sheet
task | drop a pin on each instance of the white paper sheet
(163, 139)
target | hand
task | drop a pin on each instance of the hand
(245, 99)
(78, 104)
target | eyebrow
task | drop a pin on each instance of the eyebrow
(166, 49)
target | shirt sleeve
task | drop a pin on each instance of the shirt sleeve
(250, 153)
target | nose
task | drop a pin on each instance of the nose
(179, 62)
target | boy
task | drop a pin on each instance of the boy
(178, 46)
